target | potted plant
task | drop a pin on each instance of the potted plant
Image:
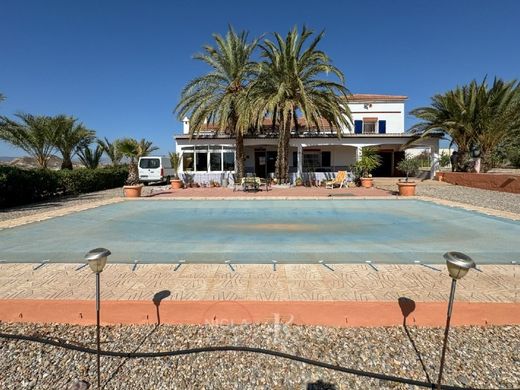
(175, 159)
(134, 149)
(369, 161)
(410, 166)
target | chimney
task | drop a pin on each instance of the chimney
(186, 125)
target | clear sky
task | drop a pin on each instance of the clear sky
(119, 66)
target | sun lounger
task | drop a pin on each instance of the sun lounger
(342, 179)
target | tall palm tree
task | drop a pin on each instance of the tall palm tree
(111, 149)
(70, 137)
(32, 134)
(90, 158)
(219, 96)
(290, 81)
(474, 116)
(134, 149)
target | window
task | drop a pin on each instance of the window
(215, 161)
(325, 159)
(202, 161)
(311, 160)
(369, 127)
(229, 161)
(187, 161)
(212, 158)
(149, 163)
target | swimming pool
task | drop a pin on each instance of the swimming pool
(260, 231)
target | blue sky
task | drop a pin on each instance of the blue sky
(119, 66)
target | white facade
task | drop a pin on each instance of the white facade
(378, 121)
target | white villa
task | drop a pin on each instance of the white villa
(378, 122)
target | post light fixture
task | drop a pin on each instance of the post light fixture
(97, 259)
(458, 266)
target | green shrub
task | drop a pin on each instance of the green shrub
(21, 186)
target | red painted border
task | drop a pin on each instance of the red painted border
(328, 313)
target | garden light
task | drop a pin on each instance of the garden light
(97, 259)
(458, 266)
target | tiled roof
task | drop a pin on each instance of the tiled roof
(370, 97)
(267, 125)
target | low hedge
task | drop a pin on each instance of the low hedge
(21, 186)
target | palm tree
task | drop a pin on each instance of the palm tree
(289, 82)
(70, 137)
(134, 149)
(90, 158)
(32, 134)
(112, 150)
(219, 96)
(474, 117)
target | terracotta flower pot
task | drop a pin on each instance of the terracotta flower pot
(176, 184)
(407, 188)
(367, 182)
(132, 191)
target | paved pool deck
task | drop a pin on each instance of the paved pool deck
(348, 295)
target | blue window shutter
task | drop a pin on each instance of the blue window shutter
(382, 127)
(358, 127)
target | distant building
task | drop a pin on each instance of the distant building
(378, 121)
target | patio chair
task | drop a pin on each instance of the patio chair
(250, 183)
(341, 179)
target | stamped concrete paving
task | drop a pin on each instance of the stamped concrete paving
(213, 282)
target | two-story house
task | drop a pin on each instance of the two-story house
(378, 121)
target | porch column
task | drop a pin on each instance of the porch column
(434, 152)
(359, 152)
(300, 160)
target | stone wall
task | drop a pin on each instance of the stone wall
(486, 181)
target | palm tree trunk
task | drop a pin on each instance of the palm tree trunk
(133, 173)
(282, 166)
(66, 163)
(239, 147)
(41, 160)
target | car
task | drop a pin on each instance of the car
(155, 169)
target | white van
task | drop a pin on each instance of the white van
(155, 169)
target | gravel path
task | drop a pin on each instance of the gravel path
(495, 200)
(482, 357)
(66, 201)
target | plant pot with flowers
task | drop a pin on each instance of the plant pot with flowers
(133, 150)
(410, 166)
(176, 182)
(369, 161)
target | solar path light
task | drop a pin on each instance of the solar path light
(97, 259)
(458, 266)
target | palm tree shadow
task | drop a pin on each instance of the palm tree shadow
(407, 306)
(157, 298)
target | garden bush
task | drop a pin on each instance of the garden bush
(21, 186)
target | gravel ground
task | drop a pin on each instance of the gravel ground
(66, 201)
(482, 357)
(495, 200)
